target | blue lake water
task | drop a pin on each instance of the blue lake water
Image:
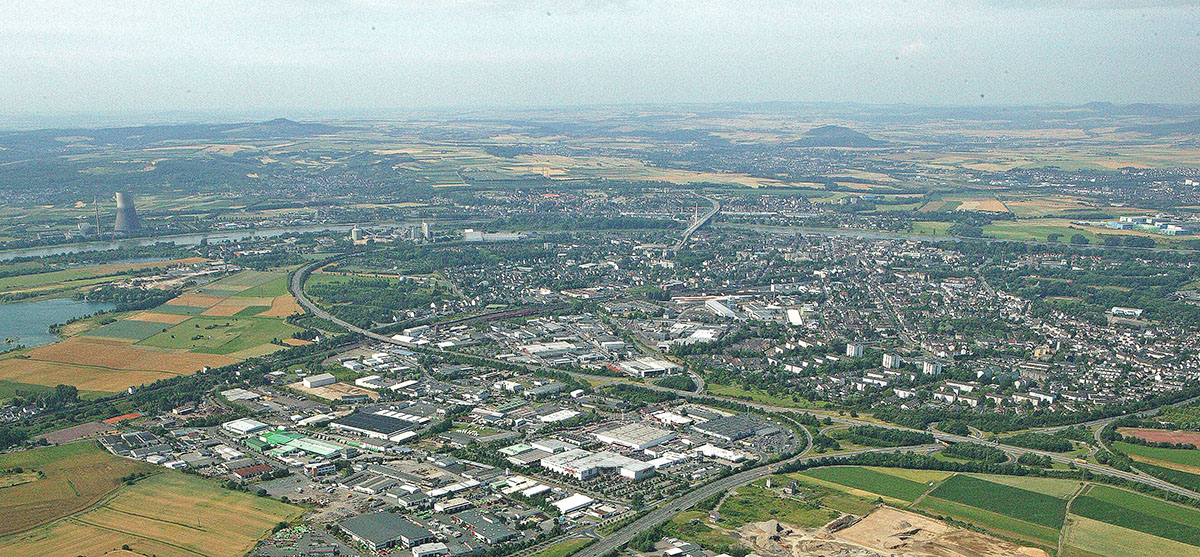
(29, 322)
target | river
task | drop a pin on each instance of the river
(180, 239)
(29, 322)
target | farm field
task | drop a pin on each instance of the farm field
(220, 335)
(75, 476)
(1163, 435)
(870, 481)
(1136, 512)
(1187, 460)
(214, 325)
(1054, 487)
(167, 514)
(1173, 475)
(991, 521)
(1084, 537)
(1030, 506)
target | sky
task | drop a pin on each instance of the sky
(137, 59)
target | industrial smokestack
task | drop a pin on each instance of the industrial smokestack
(127, 219)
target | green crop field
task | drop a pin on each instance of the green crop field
(221, 335)
(274, 287)
(128, 329)
(1137, 512)
(989, 520)
(871, 481)
(250, 311)
(1022, 504)
(1055, 487)
(1188, 457)
(755, 504)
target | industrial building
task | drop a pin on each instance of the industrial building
(383, 530)
(719, 309)
(645, 367)
(377, 426)
(319, 380)
(736, 427)
(244, 426)
(635, 436)
(585, 465)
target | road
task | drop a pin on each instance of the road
(716, 207)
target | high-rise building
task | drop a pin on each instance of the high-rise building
(854, 350)
(127, 219)
(425, 230)
(891, 361)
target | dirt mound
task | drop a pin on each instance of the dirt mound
(892, 531)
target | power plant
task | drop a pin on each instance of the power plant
(127, 220)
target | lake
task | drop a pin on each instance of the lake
(29, 322)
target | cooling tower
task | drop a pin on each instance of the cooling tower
(127, 219)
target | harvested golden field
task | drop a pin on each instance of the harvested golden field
(153, 317)
(85, 378)
(296, 342)
(282, 306)
(75, 477)
(223, 310)
(991, 205)
(168, 514)
(83, 351)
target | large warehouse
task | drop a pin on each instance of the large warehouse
(383, 530)
(378, 426)
(635, 436)
(585, 465)
(733, 428)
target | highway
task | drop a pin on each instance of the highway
(707, 216)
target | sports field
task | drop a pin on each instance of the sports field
(167, 514)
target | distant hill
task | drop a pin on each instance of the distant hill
(836, 136)
(279, 127)
(1190, 127)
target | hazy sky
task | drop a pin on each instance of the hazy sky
(308, 57)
